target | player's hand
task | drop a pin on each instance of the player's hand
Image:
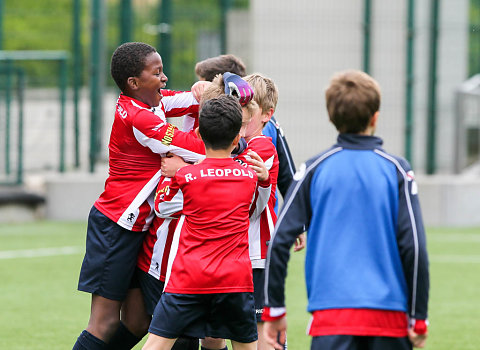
(417, 333)
(275, 332)
(257, 165)
(171, 163)
(300, 242)
(236, 86)
(198, 88)
(418, 340)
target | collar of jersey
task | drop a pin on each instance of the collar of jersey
(135, 102)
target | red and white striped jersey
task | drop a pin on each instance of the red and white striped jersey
(153, 256)
(209, 251)
(263, 219)
(140, 136)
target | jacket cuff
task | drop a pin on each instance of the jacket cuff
(273, 313)
(420, 326)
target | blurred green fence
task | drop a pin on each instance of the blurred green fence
(88, 32)
(12, 85)
(184, 32)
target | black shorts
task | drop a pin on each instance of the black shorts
(259, 292)
(350, 342)
(110, 257)
(224, 315)
(151, 288)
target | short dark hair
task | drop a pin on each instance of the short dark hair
(220, 121)
(128, 60)
(353, 97)
(210, 67)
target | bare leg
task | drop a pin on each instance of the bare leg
(244, 346)
(104, 317)
(133, 313)
(213, 343)
(155, 342)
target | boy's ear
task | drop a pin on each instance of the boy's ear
(197, 132)
(132, 83)
(267, 116)
(373, 121)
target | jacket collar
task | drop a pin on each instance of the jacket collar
(360, 142)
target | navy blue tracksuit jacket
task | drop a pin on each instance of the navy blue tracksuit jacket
(366, 243)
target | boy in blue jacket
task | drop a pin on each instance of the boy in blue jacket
(366, 264)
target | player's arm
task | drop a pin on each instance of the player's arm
(411, 241)
(152, 132)
(264, 186)
(168, 199)
(179, 103)
(292, 221)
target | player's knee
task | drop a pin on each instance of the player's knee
(103, 328)
(138, 327)
(213, 343)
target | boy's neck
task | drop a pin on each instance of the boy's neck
(217, 153)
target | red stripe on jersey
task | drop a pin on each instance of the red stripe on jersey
(168, 246)
(360, 322)
(144, 259)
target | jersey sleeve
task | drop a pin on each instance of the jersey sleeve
(262, 195)
(412, 245)
(152, 132)
(293, 219)
(266, 151)
(179, 103)
(168, 199)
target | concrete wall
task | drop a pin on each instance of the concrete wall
(70, 197)
(446, 200)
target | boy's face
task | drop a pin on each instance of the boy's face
(255, 126)
(246, 118)
(151, 80)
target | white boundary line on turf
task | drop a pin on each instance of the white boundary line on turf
(454, 237)
(40, 252)
(455, 259)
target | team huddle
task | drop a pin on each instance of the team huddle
(184, 242)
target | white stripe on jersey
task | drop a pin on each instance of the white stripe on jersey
(174, 248)
(158, 147)
(158, 249)
(166, 209)
(261, 203)
(180, 100)
(254, 237)
(126, 220)
(269, 162)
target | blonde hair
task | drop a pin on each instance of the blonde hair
(266, 93)
(217, 88)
